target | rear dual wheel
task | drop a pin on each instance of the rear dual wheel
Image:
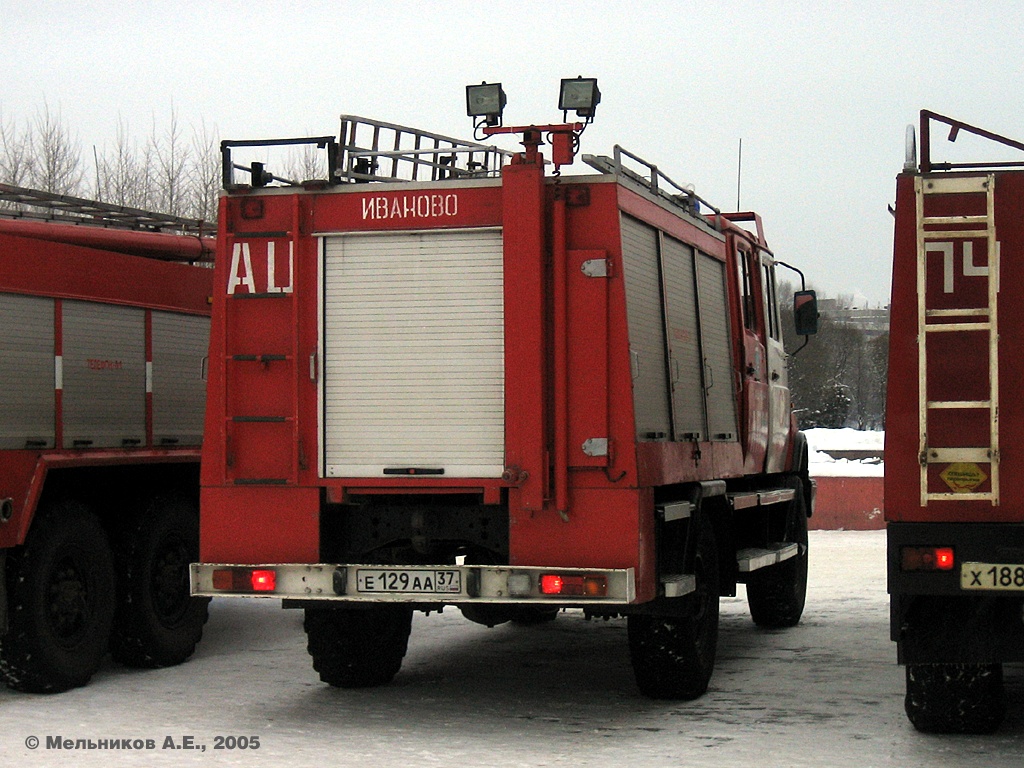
(157, 623)
(955, 698)
(358, 647)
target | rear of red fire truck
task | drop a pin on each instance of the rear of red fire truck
(953, 499)
(442, 376)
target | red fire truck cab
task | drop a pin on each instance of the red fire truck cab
(445, 377)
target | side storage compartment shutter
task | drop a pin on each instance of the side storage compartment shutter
(413, 347)
(27, 372)
(180, 344)
(104, 375)
(684, 340)
(646, 329)
(718, 370)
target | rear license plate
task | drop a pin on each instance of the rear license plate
(409, 580)
(994, 576)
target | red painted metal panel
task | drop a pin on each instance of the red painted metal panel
(526, 360)
(439, 206)
(588, 357)
(260, 524)
(605, 529)
(957, 361)
(60, 270)
(849, 503)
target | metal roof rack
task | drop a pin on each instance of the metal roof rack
(372, 150)
(24, 203)
(651, 179)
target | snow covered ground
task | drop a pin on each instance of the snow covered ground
(826, 693)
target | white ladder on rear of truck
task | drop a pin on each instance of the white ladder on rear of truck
(982, 320)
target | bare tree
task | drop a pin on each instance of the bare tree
(306, 162)
(171, 155)
(124, 174)
(15, 154)
(167, 172)
(56, 154)
(204, 174)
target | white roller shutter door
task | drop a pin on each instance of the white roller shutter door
(413, 354)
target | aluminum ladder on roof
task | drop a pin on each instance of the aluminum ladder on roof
(67, 209)
(982, 320)
(373, 150)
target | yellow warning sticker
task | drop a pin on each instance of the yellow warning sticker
(963, 477)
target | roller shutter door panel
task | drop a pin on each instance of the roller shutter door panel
(27, 373)
(413, 336)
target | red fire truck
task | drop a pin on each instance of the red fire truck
(955, 533)
(443, 376)
(103, 339)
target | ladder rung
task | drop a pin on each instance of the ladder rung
(953, 234)
(959, 403)
(954, 184)
(949, 327)
(962, 497)
(926, 220)
(958, 455)
(964, 312)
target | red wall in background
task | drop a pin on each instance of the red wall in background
(849, 503)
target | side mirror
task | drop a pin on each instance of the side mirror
(805, 312)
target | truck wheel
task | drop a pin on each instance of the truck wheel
(955, 698)
(61, 587)
(776, 595)
(673, 656)
(156, 623)
(358, 647)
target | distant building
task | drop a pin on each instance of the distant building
(872, 322)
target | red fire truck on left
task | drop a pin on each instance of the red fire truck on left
(104, 327)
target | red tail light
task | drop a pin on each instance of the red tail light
(927, 559)
(264, 581)
(582, 586)
(244, 580)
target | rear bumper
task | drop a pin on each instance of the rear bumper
(957, 615)
(425, 585)
(1001, 543)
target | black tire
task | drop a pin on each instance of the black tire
(776, 595)
(156, 623)
(61, 588)
(674, 656)
(358, 647)
(955, 698)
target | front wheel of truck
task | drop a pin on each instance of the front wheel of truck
(358, 647)
(776, 595)
(673, 656)
(955, 698)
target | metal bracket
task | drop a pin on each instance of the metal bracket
(595, 267)
(596, 446)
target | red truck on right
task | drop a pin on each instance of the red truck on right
(954, 464)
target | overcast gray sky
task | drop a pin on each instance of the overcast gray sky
(819, 92)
